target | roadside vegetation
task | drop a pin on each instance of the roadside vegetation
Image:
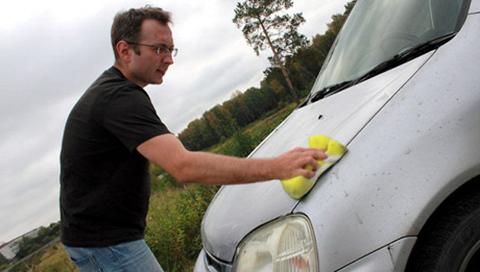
(176, 212)
(235, 128)
(52, 258)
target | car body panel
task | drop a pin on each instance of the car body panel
(474, 6)
(261, 202)
(423, 146)
(389, 258)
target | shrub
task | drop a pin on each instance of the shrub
(173, 229)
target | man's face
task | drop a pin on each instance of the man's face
(149, 67)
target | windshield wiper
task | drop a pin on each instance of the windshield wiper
(405, 55)
(399, 58)
(331, 90)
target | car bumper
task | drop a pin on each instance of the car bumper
(392, 257)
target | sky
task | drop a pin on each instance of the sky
(52, 50)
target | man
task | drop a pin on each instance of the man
(112, 133)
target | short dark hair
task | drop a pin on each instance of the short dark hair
(127, 24)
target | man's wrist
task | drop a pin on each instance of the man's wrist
(267, 169)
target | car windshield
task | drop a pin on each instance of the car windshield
(378, 30)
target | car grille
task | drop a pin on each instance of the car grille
(215, 265)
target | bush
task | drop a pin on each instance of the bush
(175, 215)
(173, 229)
(161, 180)
(240, 145)
(50, 259)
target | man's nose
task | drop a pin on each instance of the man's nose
(168, 59)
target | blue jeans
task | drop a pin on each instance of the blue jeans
(128, 257)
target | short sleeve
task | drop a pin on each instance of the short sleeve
(131, 118)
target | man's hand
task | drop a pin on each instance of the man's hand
(294, 163)
(207, 168)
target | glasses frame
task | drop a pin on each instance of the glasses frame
(161, 49)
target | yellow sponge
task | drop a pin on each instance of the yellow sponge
(297, 187)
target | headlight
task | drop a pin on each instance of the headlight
(286, 244)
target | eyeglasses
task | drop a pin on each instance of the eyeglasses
(161, 49)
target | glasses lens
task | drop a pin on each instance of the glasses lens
(161, 50)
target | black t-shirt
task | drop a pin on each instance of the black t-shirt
(104, 181)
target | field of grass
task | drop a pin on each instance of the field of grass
(50, 259)
(173, 229)
(258, 130)
(176, 212)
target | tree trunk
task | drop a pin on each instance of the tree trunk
(278, 62)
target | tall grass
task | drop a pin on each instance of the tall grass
(176, 211)
(51, 259)
(175, 214)
(173, 228)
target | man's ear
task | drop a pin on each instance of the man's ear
(124, 51)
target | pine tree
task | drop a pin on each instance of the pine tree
(264, 25)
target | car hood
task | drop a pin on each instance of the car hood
(237, 210)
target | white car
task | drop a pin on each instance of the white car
(401, 89)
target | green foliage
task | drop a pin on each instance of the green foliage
(3, 260)
(243, 144)
(50, 259)
(198, 134)
(254, 133)
(161, 180)
(175, 214)
(239, 110)
(275, 82)
(265, 24)
(173, 229)
(222, 121)
(29, 245)
(225, 120)
(240, 145)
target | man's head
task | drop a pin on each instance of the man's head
(142, 43)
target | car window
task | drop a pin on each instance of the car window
(377, 30)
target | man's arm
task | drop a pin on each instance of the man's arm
(186, 166)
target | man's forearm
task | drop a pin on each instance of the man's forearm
(209, 168)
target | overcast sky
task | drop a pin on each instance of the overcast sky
(52, 50)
